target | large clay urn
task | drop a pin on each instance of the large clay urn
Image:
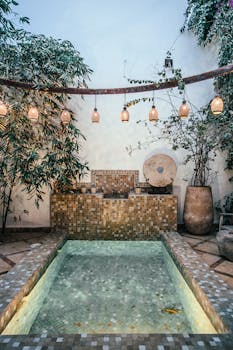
(198, 210)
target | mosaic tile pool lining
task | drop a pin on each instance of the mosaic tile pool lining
(107, 286)
(218, 301)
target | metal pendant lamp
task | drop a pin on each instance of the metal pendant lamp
(65, 117)
(124, 113)
(184, 110)
(217, 105)
(153, 114)
(3, 109)
(95, 118)
(33, 113)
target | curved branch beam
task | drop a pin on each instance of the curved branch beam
(127, 90)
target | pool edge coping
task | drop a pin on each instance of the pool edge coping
(212, 293)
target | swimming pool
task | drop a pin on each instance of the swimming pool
(110, 287)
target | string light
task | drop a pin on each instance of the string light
(95, 118)
(153, 114)
(3, 109)
(65, 117)
(33, 113)
(217, 105)
(184, 110)
(124, 113)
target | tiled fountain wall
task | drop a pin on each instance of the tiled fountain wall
(120, 181)
(90, 216)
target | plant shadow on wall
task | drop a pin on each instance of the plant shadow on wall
(38, 146)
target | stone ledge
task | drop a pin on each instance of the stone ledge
(213, 294)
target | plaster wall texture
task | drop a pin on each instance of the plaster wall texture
(107, 35)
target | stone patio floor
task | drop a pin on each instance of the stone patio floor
(207, 248)
(15, 245)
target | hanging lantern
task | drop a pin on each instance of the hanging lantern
(3, 109)
(65, 117)
(153, 114)
(124, 115)
(217, 105)
(33, 114)
(95, 118)
(168, 62)
(184, 110)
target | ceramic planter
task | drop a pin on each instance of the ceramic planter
(198, 210)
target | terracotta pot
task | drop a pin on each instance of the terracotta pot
(93, 190)
(138, 190)
(83, 190)
(198, 210)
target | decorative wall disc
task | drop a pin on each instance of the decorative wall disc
(159, 170)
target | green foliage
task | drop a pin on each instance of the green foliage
(8, 29)
(225, 205)
(38, 154)
(211, 21)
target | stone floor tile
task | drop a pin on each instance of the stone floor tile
(201, 237)
(35, 240)
(16, 247)
(225, 267)
(16, 257)
(193, 236)
(30, 235)
(4, 267)
(208, 247)
(227, 279)
(209, 258)
(192, 241)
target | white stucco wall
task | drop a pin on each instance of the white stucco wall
(106, 34)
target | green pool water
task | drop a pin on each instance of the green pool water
(110, 287)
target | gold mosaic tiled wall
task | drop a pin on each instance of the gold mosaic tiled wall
(89, 216)
(120, 181)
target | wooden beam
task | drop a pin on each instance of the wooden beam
(127, 90)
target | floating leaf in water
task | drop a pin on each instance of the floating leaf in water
(171, 310)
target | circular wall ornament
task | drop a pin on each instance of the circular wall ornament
(159, 170)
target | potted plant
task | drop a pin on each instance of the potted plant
(197, 137)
